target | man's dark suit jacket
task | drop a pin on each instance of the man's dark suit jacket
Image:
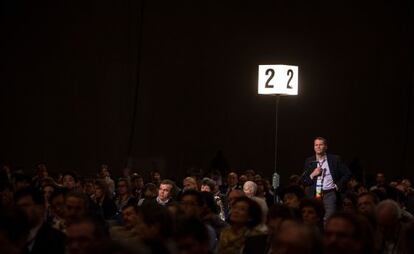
(339, 171)
(48, 240)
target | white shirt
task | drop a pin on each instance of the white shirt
(328, 182)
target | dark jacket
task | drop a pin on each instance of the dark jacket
(339, 171)
(48, 240)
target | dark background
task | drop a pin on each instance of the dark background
(91, 82)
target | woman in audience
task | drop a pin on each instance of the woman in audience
(245, 216)
(312, 211)
(209, 185)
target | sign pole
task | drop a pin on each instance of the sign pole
(276, 177)
(276, 127)
(277, 79)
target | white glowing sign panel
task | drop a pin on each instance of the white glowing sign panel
(278, 79)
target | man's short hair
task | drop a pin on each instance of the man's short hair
(198, 196)
(324, 140)
(315, 204)
(153, 214)
(167, 181)
(72, 174)
(373, 196)
(361, 229)
(294, 189)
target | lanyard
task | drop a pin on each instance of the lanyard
(320, 163)
(319, 181)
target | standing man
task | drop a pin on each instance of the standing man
(326, 175)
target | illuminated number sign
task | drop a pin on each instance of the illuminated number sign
(278, 79)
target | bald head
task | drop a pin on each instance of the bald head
(250, 188)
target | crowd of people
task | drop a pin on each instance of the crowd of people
(237, 213)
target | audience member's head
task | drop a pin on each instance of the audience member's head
(292, 195)
(123, 186)
(190, 183)
(69, 180)
(165, 190)
(360, 188)
(276, 215)
(406, 182)
(295, 238)
(21, 181)
(104, 171)
(76, 206)
(150, 191)
(155, 223)
(192, 237)
(47, 191)
(57, 203)
(89, 187)
(101, 189)
(210, 204)
(191, 203)
(366, 203)
(348, 233)
(312, 211)
(294, 179)
(208, 185)
(82, 233)
(31, 202)
(232, 179)
(41, 171)
(261, 188)
(250, 188)
(137, 181)
(155, 176)
(380, 179)
(242, 179)
(245, 212)
(349, 203)
(129, 216)
(388, 214)
(233, 195)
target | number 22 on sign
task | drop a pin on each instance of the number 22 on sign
(278, 79)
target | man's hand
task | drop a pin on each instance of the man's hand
(316, 172)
